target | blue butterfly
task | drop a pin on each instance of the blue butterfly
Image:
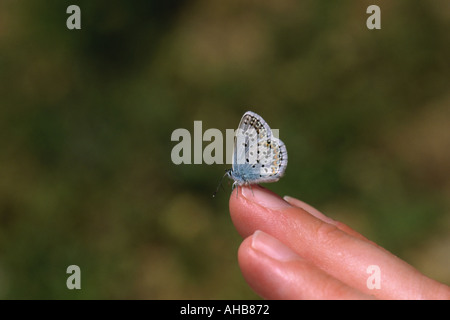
(258, 155)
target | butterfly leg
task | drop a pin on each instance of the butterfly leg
(235, 185)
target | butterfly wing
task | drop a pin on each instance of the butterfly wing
(258, 155)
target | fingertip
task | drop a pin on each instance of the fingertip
(236, 197)
(252, 207)
(242, 213)
(264, 198)
(258, 195)
(274, 271)
(262, 260)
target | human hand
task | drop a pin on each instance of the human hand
(292, 251)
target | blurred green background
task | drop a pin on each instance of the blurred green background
(86, 118)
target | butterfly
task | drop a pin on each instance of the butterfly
(258, 156)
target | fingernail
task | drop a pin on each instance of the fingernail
(311, 210)
(272, 247)
(264, 198)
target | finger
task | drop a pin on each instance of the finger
(338, 253)
(316, 213)
(276, 272)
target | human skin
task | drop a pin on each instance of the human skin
(293, 251)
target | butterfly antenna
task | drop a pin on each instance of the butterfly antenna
(220, 184)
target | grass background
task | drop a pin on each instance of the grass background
(86, 118)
